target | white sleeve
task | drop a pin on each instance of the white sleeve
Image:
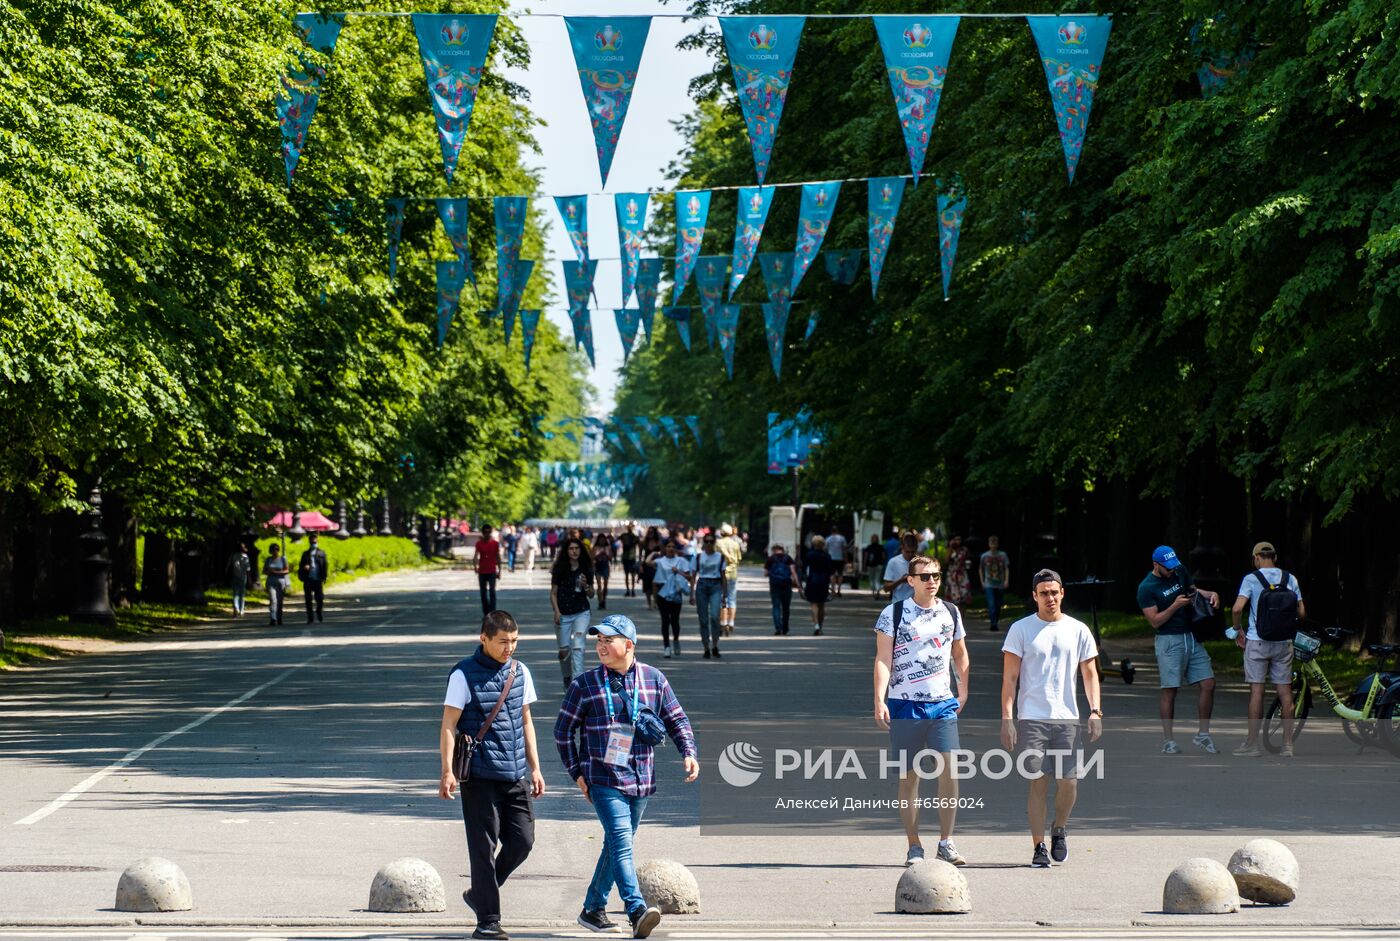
(1087, 650)
(456, 691)
(1293, 584)
(530, 694)
(885, 622)
(1014, 643)
(891, 573)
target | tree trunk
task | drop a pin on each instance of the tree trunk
(158, 568)
(121, 539)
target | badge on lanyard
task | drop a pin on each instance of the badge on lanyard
(620, 736)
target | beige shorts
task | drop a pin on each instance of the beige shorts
(1268, 661)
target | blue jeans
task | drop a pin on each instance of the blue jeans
(620, 816)
(994, 597)
(708, 595)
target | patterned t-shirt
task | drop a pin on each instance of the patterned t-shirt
(922, 650)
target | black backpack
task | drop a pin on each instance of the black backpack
(1276, 610)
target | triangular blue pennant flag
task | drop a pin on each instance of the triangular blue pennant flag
(648, 287)
(583, 331)
(1218, 66)
(631, 224)
(574, 211)
(777, 276)
(950, 216)
(727, 324)
(812, 316)
(303, 85)
(672, 428)
(917, 49)
(843, 264)
(813, 219)
(693, 423)
(607, 52)
(692, 211)
(454, 49)
(754, 203)
(627, 321)
(453, 213)
(775, 318)
(520, 278)
(709, 281)
(394, 211)
(635, 439)
(450, 279)
(761, 52)
(510, 212)
(578, 283)
(615, 440)
(1072, 50)
(680, 316)
(886, 193)
(529, 323)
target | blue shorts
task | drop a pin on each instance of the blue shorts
(731, 594)
(916, 726)
(1181, 660)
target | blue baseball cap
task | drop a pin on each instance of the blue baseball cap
(1165, 556)
(616, 625)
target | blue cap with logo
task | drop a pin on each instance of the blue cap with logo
(616, 625)
(1165, 556)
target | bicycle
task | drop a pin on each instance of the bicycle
(1360, 712)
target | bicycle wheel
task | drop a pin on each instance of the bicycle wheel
(1388, 725)
(1273, 722)
(1361, 733)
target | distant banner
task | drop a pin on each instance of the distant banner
(453, 213)
(916, 50)
(680, 316)
(709, 280)
(813, 219)
(574, 211)
(303, 85)
(672, 428)
(615, 440)
(775, 318)
(454, 48)
(394, 210)
(727, 323)
(520, 278)
(451, 276)
(583, 331)
(1072, 50)
(607, 52)
(886, 193)
(812, 317)
(754, 203)
(1218, 67)
(843, 264)
(634, 438)
(790, 441)
(692, 211)
(950, 216)
(631, 224)
(627, 322)
(511, 212)
(777, 277)
(761, 52)
(648, 287)
(529, 323)
(578, 283)
(693, 423)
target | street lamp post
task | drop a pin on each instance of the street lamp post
(359, 529)
(341, 532)
(94, 604)
(386, 525)
(296, 532)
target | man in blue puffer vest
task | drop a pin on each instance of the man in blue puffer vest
(497, 797)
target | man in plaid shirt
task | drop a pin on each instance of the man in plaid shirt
(614, 768)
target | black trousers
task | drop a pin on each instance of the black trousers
(496, 812)
(315, 601)
(487, 585)
(670, 621)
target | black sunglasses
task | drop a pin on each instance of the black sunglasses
(927, 576)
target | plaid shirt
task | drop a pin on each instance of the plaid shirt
(589, 704)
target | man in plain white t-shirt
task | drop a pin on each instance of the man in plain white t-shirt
(1041, 654)
(1265, 660)
(836, 548)
(897, 569)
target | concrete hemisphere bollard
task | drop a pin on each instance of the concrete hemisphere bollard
(669, 886)
(932, 887)
(407, 886)
(1200, 886)
(154, 884)
(1265, 871)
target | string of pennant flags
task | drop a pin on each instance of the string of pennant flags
(592, 481)
(616, 429)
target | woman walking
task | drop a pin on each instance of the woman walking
(277, 573)
(957, 586)
(672, 582)
(651, 551)
(602, 566)
(817, 584)
(710, 585)
(239, 567)
(570, 586)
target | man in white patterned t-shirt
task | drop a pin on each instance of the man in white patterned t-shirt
(918, 641)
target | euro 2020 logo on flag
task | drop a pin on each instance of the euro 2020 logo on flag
(917, 36)
(740, 764)
(607, 39)
(755, 202)
(1072, 34)
(692, 208)
(632, 211)
(455, 33)
(762, 37)
(819, 197)
(886, 194)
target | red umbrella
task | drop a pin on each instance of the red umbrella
(311, 521)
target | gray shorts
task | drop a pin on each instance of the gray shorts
(1181, 660)
(1268, 661)
(1041, 737)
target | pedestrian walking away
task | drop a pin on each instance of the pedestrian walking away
(487, 712)
(313, 569)
(1274, 603)
(277, 575)
(530, 545)
(995, 573)
(732, 548)
(487, 562)
(238, 569)
(873, 563)
(551, 543)
(602, 568)
(509, 542)
(836, 548)
(708, 597)
(622, 710)
(671, 584)
(570, 587)
(957, 581)
(1041, 656)
(1167, 598)
(916, 643)
(650, 552)
(631, 562)
(781, 570)
(816, 584)
(897, 568)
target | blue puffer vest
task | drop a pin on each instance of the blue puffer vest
(501, 755)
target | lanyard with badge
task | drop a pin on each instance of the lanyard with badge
(621, 734)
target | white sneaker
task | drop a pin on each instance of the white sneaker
(1170, 747)
(949, 853)
(668, 652)
(1204, 742)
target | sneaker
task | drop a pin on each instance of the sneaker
(667, 654)
(645, 922)
(1170, 747)
(949, 853)
(1286, 751)
(1247, 750)
(1205, 743)
(491, 932)
(708, 655)
(916, 855)
(1041, 859)
(677, 648)
(817, 632)
(717, 656)
(602, 606)
(994, 628)
(1059, 846)
(596, 920)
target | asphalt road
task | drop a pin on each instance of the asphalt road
(280, 767)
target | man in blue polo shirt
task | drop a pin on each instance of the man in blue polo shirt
(1165, 597)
